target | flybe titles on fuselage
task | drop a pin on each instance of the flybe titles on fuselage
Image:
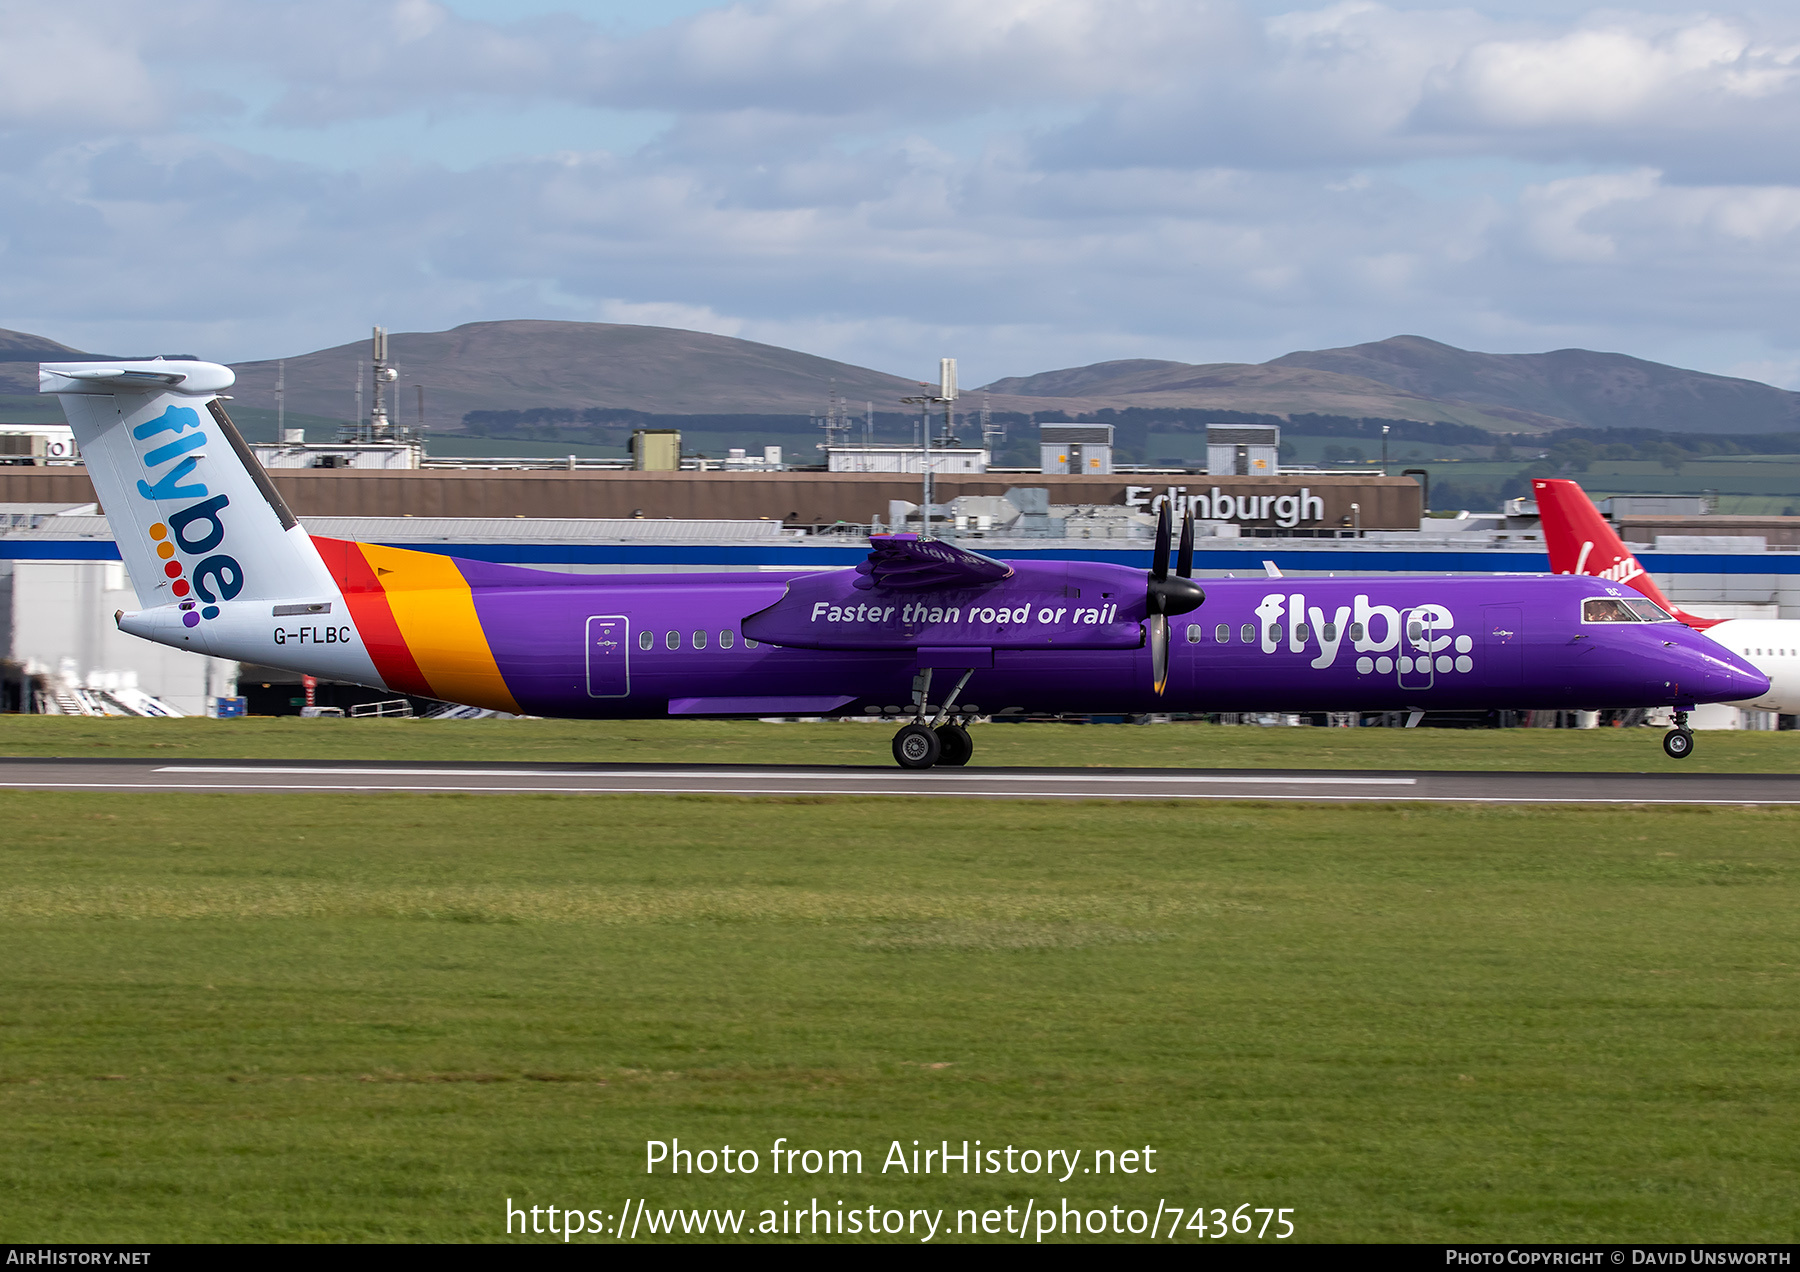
(1384, 637)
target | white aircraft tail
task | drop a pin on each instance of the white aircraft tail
(197, 520)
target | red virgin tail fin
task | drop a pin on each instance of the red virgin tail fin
(1581, 542)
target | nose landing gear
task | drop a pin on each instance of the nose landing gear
(1678, 743)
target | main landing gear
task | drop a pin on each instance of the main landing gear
(1678, 743)
(943, 741)
(916, 746)
(919, 746)
(955, 746)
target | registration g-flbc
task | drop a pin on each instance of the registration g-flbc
(313, 636)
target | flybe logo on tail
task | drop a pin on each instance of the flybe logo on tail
(197, 530)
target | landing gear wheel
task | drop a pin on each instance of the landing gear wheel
(955, 745)
(916, 747)
(1678, 744)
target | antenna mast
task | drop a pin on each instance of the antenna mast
(992, 438)
(945, 397)
(379, 428)
(947, 394)
(836, 423)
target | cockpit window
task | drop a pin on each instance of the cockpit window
(1606, 609)
(1650, 611)
(1618, 609)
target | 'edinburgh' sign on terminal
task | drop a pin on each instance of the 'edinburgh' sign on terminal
(1284, 510)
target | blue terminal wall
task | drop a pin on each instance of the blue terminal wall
(1343, 557)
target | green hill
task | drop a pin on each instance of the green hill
(526, 364)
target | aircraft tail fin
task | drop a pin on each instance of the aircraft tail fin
(1581, 542)
(196, 518)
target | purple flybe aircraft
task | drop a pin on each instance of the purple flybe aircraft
(922, 631)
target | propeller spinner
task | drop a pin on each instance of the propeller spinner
(1168, 595)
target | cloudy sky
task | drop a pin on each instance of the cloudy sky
(1025, 184)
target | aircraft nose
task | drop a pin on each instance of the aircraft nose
(1722, 676)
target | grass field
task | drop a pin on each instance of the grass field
(751, 742)
(261, 1018)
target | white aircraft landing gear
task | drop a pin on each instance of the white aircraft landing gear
(1678, 743)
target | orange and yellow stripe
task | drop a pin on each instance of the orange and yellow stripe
(416, 614)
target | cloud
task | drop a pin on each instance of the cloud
(1169, 259)
(886, 181)
(62, 75)
(1612, 75)
(1365, 84)
(1171, 82)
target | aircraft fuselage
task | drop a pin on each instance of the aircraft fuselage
(1043, 641)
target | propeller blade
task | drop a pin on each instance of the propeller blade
(1159, 564)
(1165, 595)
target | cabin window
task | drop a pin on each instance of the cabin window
(1356, 631)
(646, 640)
(699, 640)
(751, 644)
(672, 639)
(1331, 633)
(1274, 631)
(1302, 633)
(1222, 633)
(1606, 609)
(1193, 634)
(727, 639)
(1248, 633)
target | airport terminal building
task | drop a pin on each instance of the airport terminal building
(61, 579)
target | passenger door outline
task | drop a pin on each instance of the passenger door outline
(608, 656)
(1422, 675)
(1503, 644)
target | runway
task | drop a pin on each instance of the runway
(1312, 785)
